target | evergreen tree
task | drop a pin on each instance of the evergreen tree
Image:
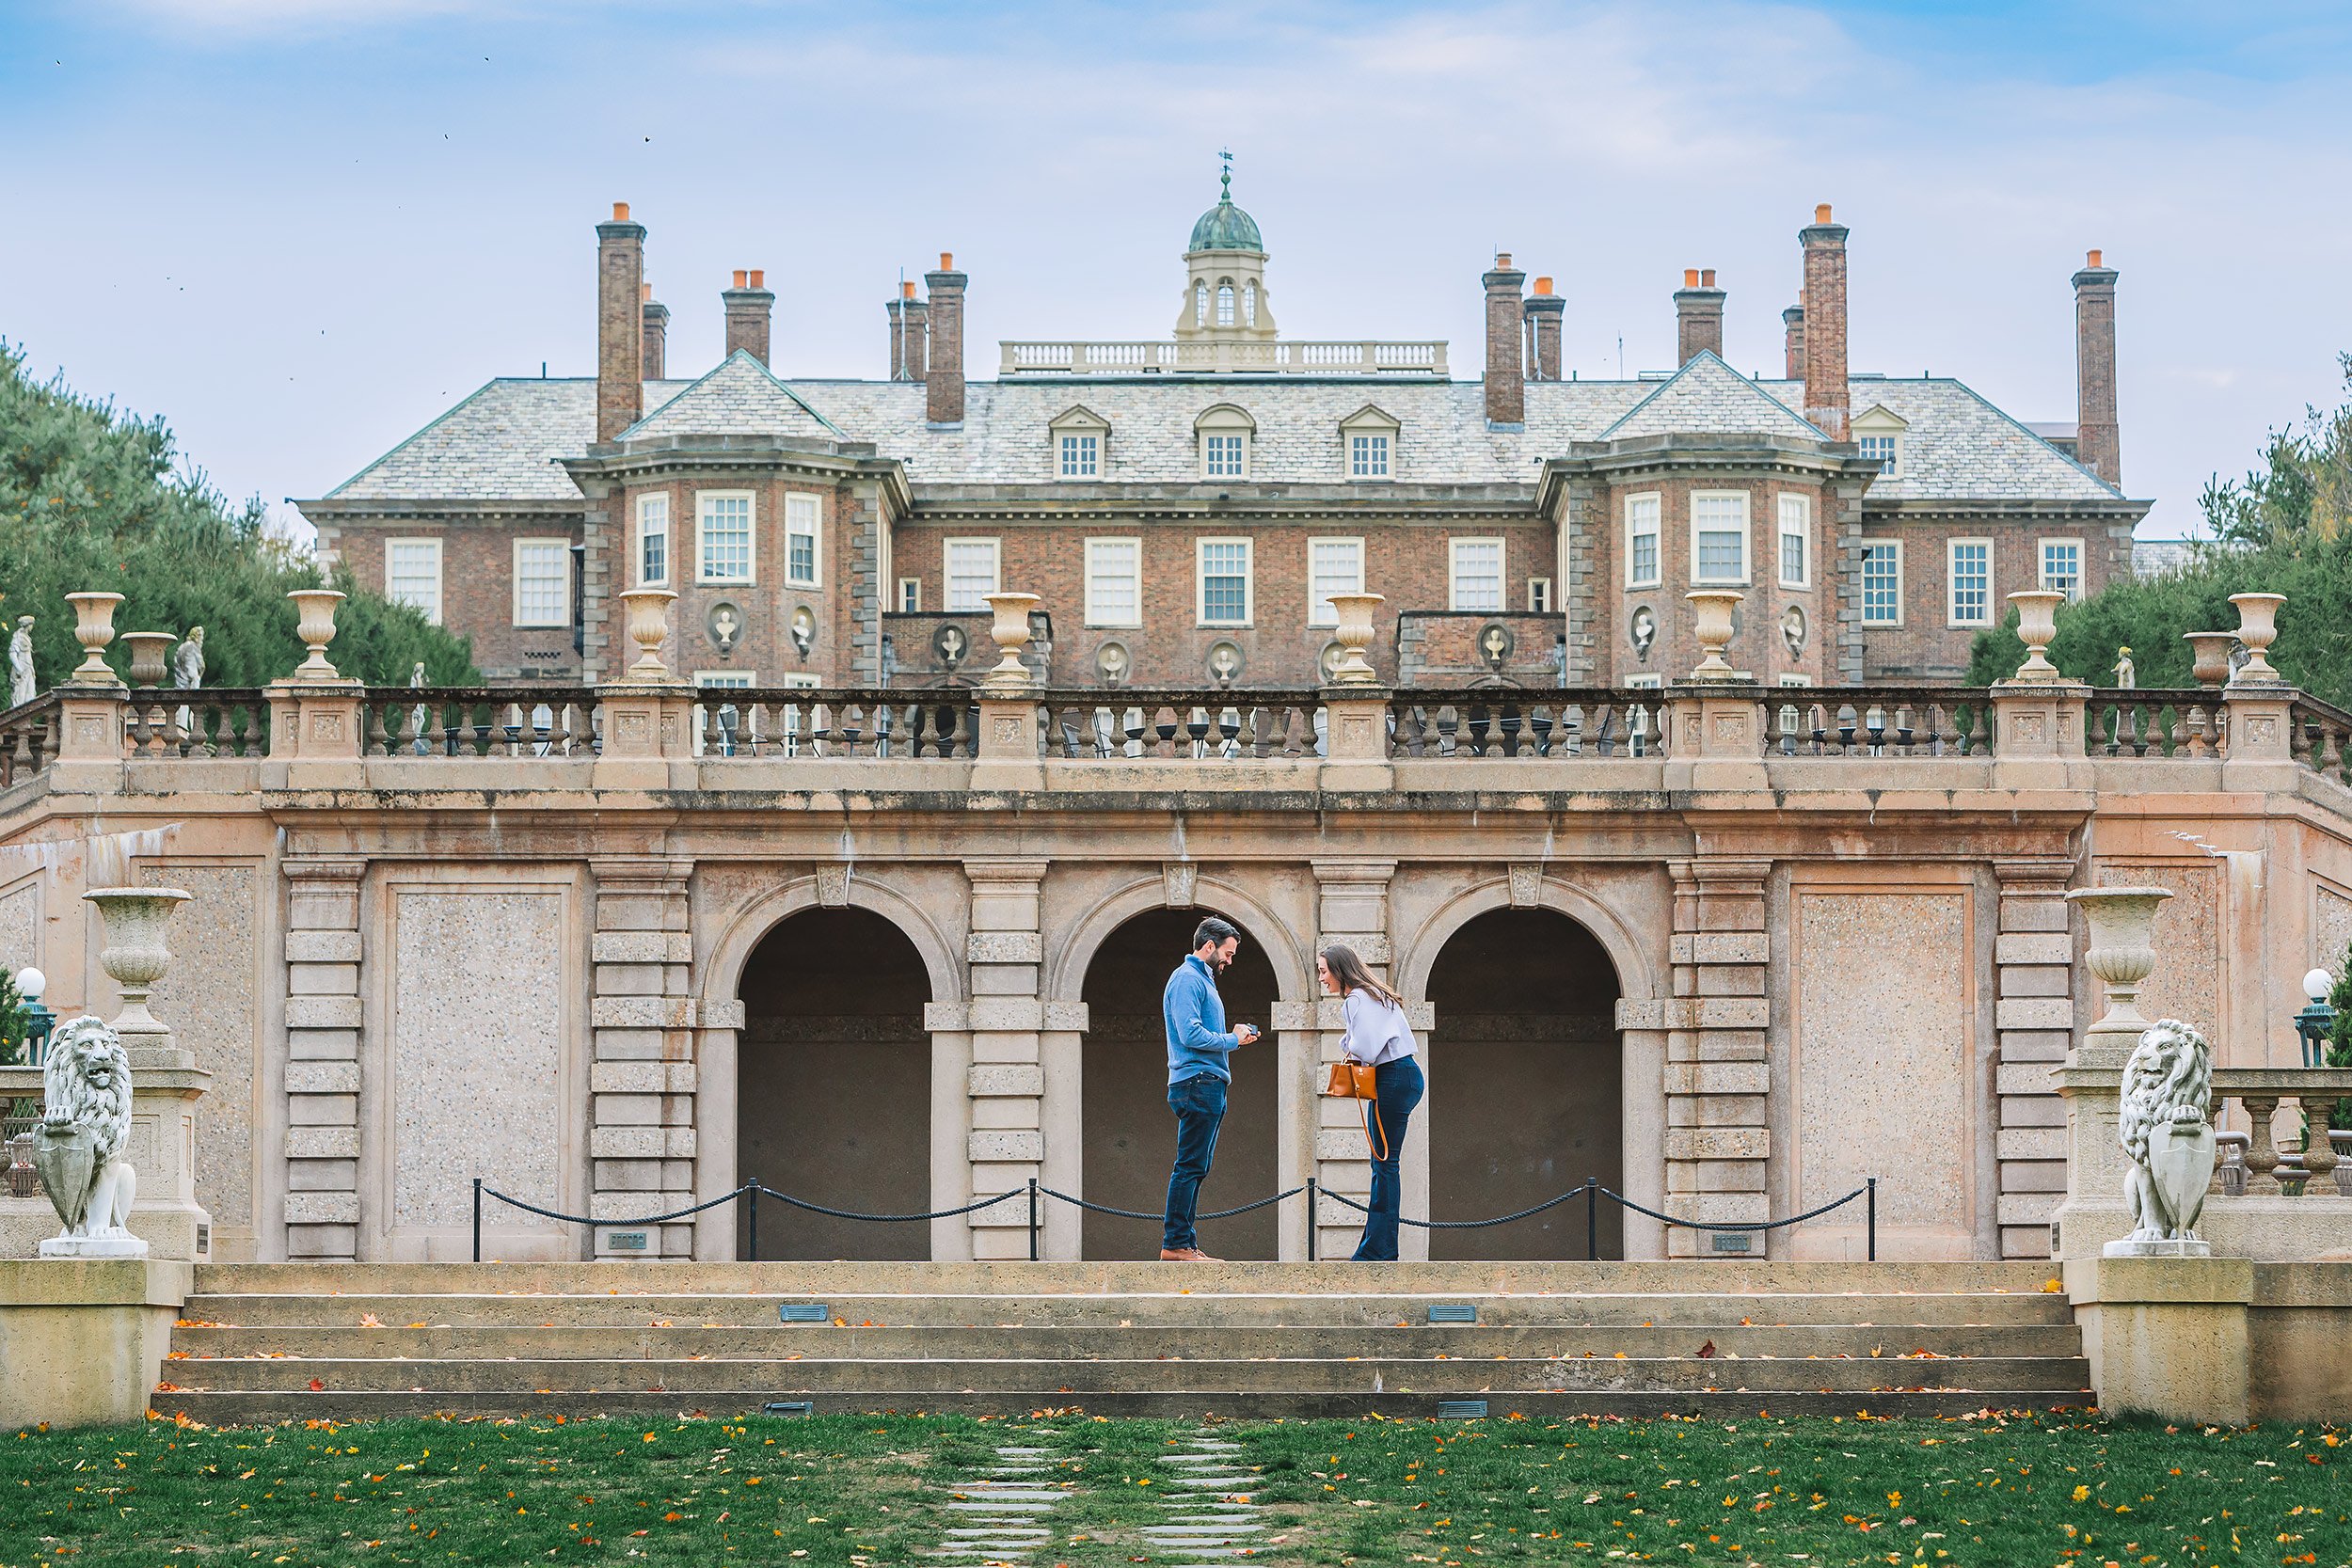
(91, 498)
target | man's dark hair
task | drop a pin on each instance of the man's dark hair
(1212, 932)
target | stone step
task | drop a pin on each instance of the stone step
(524, 1376)
(268, 1407)
(1706, 1309)
(682, 1341)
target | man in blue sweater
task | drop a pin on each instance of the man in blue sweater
(1198, 1074)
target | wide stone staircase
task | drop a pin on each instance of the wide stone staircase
(269, 1343)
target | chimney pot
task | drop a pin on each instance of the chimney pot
(748, 306)
(1821, 214)
(2090, 259)
(946, 260)
(620, 211)
(760, 278)
(1690, 277)
(740, 275)
(1698, 316)
(1503, 260)
(1707, 277)
(645, 293)
(1543, 285)
(906, 289)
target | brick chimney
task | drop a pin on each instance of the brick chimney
(1506, 369)
(910, 326)
(1826, 395)
(943, 387)
(1698, 316)
(2098, 443)
(749, 306)
(620, 340)
(1792, 325)
(1544, 311)
(656, 353)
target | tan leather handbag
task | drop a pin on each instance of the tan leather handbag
(1351, 1079)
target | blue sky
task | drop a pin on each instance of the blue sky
(299, 228)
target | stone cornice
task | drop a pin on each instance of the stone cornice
(1068, 503)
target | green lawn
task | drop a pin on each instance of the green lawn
(1998, 1492)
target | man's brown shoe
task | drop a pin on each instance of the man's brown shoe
(1185, 1255)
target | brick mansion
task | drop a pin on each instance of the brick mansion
(1185, 507)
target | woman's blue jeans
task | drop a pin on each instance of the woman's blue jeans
(1398, 1086)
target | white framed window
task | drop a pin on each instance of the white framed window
(1793, 682)
(412, 574)
(2062, 567)
(1474, 579)
(1225, 304)
(1226, 597)
(1796, 541)
(653, 540)
(1652, 682)
(1223, 454)
(1250, 305)
(1333, 566)
(1201, 304)
(1968, 573)
(1642, 564)
(1882, 582)
(543, 582)
(1718, 536)
(910, 596)
(723, 536)
(1888, 450)
(972, 573)
(1368, 454)
(1081, 454)
(1539, 595)
(1114, 582)
(804, 528)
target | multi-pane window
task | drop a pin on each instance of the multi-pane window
(1539, 595)
(412, 574)
(971, 574)
(1199, 305)
(543, 582)
(1719, 538)
(1883, 447)
(2062, 567)
(1971, 574)
(1368, 456)
(1222, 455)
(723, 530)
(1796, 532)
(1224, 582)
(799, 539)
(1224, 305)
(1477, 574)
(653, 540)
(1250, 305)
(910, 596)
(1114, 582)
(1081, 454)
(716, 725)
(1882, 582)
(1333, 566)
(1641, 541)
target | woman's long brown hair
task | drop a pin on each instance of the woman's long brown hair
(1349, 971)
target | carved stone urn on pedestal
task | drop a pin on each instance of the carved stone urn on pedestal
(1714, 607)
(1354, 636)
(94, 627)
(2121, 954)
(135, 957)
(1010, 631)
(648, 628)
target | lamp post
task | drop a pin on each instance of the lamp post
(2315, 1022)
(39, 1021)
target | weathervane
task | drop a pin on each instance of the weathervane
(1226, 179)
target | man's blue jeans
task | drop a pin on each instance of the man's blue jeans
(1399, 1086)
(1200, 1105)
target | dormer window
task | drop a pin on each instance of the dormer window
(1225, 304)
(1224, 432)
(1368, 445)
(1878, 432)
(1079, 444)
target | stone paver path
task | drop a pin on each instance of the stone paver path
(1002, 1511)
(1207, 1509)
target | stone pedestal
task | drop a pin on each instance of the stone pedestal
(317, 731)
(2258, 719)
(2093, 1215)
(1355, 738)
(82, 1343)
(2037, 734)
(1008, 756)
(647, 726)
(1715, 737)
(89, 740)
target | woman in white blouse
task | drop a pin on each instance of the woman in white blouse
(1378, 1034)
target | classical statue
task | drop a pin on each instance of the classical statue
(188, 661)
(84, 1130)
(1645, 633)
(2168, 1095)
(23, 686)
(1792, 630)
(2126, 677)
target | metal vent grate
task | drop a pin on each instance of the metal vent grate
(802, 1312)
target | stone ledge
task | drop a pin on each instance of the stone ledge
(641, 947)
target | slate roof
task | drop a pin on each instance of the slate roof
(1706, 394)
(501, 443)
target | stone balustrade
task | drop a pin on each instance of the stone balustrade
(1060, 356)
(2310, 1096)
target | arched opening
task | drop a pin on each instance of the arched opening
(1525, 1085)
(833, 1085)
(1129, 1133)
(1225, 303)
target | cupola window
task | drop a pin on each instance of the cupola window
(1199, 305)
(1250, 305)
(1224, 305)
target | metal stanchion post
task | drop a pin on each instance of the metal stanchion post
(477, 1219)
(1592, 1219)
(1310, 1219)
(1032, 1219)
(1870, 1204)
(752, 1193)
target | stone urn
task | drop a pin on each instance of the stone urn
(1354, 636)
(317, 630)
(2258, 629)
(148, 652)
(2037, 624)
(2211, 653)
(1712, 608)
(648, 628)
(2122, 953)
(94, 627)
(135, 957)
(1010, 631)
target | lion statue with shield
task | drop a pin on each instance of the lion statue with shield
(2166, 1130)
(84, 1132)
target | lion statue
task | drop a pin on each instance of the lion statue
(2167, 1097)
(84, 1129)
